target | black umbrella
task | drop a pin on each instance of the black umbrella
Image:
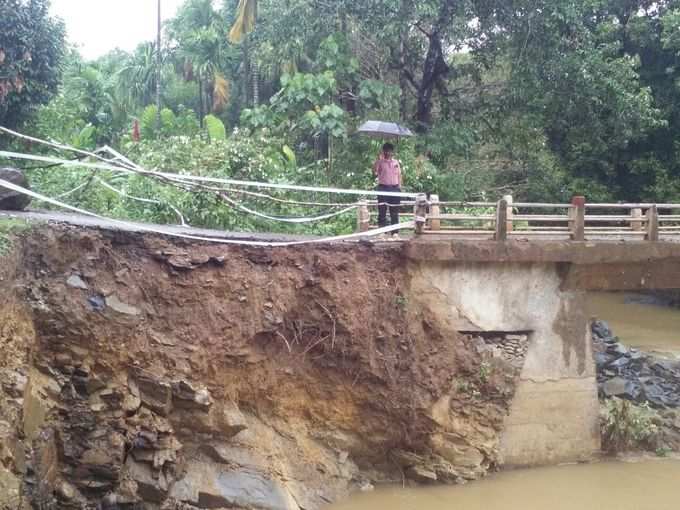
(379, 129)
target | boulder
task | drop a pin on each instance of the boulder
(119, 306)
(76, 282)
(617, 350)
(69, 497)
(619, 363)
(602, 359)
(601, 330)
(188, 396)
(456, 451)
(11, 200)
(232, 455)
(421, 474)
(209, 485)
(152, 485)
(654, 393)
(231, 419)
(154, 393)
(614, 387)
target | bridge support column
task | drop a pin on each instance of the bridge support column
(554, 416)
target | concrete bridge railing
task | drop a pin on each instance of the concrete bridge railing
(506, 219)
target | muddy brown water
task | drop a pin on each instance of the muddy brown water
(649, 327)
(639, 485)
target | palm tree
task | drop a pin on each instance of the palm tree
(246, 15)
(200, 33)
(137, 80)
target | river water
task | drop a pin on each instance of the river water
(642, 485)
(649, 327)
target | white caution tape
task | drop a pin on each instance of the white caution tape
(157, 230)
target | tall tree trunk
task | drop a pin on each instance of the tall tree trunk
(434, 69)
(330, 155)
(403, 80)
(201, 111)
(159, 63)
(255, 74)
(246, 72)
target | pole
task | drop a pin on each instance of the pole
(510, 212)
(420, 212)
(577, 221)
(652, 224)
(435, 211)
(363, 217)
(502, 220)
(159, 62)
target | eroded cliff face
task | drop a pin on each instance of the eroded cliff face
(140, 373)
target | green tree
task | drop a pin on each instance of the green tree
(88, 108)
(136, 78)
(200, 34)
(31, 51)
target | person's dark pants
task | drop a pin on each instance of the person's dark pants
(388, 202)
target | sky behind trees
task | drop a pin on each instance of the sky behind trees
(99, 26)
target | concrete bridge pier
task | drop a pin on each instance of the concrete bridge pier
(554, 416)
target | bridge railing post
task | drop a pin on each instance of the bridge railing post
(434, 224)
(502, 220)
(652, 224)
(420, 212)
(508, 199)
(363, 217)
(636, 219)
(577, 218)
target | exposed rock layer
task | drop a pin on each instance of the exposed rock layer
(140, 372)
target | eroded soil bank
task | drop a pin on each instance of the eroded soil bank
(142, 373)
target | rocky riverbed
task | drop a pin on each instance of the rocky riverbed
(634, 375)
(650, 382)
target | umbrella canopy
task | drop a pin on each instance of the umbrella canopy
(379, 129)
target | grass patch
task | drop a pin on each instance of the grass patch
(9, 228)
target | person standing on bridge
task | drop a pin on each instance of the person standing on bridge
(388, 171)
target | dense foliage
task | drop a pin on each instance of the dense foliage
(31, 49)
(542, 99)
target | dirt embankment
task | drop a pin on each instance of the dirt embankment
(139, 373)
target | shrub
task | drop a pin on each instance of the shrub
(625, 426)
(8, 229)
